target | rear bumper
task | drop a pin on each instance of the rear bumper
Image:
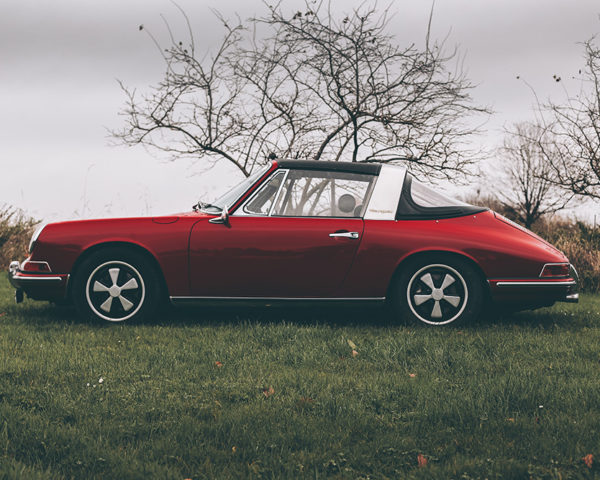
(537, 290)
(50, 286)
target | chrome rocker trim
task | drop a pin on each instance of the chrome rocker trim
(270, 301)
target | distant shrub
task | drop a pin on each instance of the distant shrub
(580, 243)
(15, 231)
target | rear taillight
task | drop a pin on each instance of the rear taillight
(552, 270)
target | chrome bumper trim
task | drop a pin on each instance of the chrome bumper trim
(537, 284)
(20, 279)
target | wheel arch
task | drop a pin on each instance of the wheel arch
(423, 255)
(127, 246)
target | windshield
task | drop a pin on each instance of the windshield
(232, 195)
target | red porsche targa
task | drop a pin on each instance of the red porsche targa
(302, 232)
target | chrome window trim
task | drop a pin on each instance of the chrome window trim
(287, 171)
(262, 172)
(386, 194)
(241, 212)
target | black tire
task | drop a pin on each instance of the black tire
(116, 285)
(438, 290)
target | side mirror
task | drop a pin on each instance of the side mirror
(223, 218)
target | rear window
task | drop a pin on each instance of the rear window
(427, 197)
(420, 202)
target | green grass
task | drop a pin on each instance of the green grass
(165, 409)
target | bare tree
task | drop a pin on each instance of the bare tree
(196, 110)
(311, 85)
(575, 128)
(527, 163)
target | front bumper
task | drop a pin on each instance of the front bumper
(38, 286)
(537, 290)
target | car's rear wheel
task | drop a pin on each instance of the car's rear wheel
(439, 291)
(116, 285)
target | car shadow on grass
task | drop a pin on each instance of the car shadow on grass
(43, 315)
(308, 316)
(546, 319)
(376, 317)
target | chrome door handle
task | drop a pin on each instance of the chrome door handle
(353, 235)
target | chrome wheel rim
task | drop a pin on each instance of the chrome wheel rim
(115, 291)
(437, 294)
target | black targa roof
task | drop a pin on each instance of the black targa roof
(349, 167)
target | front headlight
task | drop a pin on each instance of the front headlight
(35, 236)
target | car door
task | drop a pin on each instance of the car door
(295, 237)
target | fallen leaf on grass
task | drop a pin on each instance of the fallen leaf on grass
(412, 375)
(588, 460)
(352, 345)
(305, 402)
(354, 353)
(267, 392)
(421, 461)
(254, 467)
(218, 364)
(234, 449)
(2, 314)
(510, 419)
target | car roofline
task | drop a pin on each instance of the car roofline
(349, 167)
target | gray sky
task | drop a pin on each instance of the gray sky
(59, 62)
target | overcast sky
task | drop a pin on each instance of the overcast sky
(60, 61)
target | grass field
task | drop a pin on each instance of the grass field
(280, 394)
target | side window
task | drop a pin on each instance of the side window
(260, 202)
(313, 193)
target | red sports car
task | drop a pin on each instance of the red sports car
(299, 232)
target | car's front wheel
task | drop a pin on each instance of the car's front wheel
(116, 285)
(439, 291)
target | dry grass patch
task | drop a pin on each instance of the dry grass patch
(15, 231)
